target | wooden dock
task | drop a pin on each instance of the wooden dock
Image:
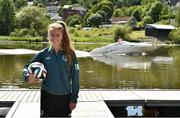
(91, 102)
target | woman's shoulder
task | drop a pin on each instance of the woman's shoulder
(43, 51)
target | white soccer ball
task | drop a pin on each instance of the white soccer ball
(37, 69)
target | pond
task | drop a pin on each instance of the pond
(159, 69)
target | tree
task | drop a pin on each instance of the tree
(145, 9)
(33, 18)
(124, 11)
(155, 11)
(7, 17)
(118, 13)
(104, 16)
(174, 36)
(125, 3)
(147, 20)
(74, 1)
(145, 2)
(20, 3)
(94, 2)
(86, 17)
(105, 6)
(74, 20)
(178, 17)
(166, 13)
(94, 20)
(60, 10)
(137, 13)
(43, 2)
(85, 3)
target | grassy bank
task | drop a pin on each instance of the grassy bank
(105, 35)
(93, 35)
(96, 35)
(138, 35)
(29, 39)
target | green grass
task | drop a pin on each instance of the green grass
(96, 35)
(138, 35)
(103, 35)
(29, 39)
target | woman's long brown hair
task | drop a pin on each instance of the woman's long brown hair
(66, 42)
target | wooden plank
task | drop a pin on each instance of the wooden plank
(39, 99)
(6, 96)
(23, 93)
(88, 96)
(103, 94)
(83, 96)
(2, 94)
(93, 96)
(9, 98)
(79, 97)
(122, 95)
(158, 95)
(12, 110)
(106, 109)
(24, 99)
(99, 97)
(27, 110)
(14, 98)
(89, 109)
(36, 97)
(31, 97)
(90, 104)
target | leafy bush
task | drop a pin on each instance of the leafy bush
(24, 33)
(174, 36)
(33, 18)
(94, 20)
(122, 32)
(74, 20)
(86, 35)
(147, 20)
(137, 13)
(72, 30)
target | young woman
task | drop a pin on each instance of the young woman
(59, 91)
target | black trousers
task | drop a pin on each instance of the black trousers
(54, 105)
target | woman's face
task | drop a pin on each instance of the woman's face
(55, 37)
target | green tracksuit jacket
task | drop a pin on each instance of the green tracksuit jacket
(62, 79)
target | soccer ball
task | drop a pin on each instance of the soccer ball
(37, 69)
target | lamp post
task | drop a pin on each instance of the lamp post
(105, 17)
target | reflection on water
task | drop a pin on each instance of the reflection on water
(163, 60)
(134, 110)
(125, 61)
(159, 69)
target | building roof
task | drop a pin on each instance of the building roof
(178, 4)
(56, 18)
(157, 26)
(125, 18)
(173, 2)
(52, 8)
(67, 6)
(30, 3)
(74, 7)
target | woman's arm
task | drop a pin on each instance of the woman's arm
(27, 77)
(74, 69)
